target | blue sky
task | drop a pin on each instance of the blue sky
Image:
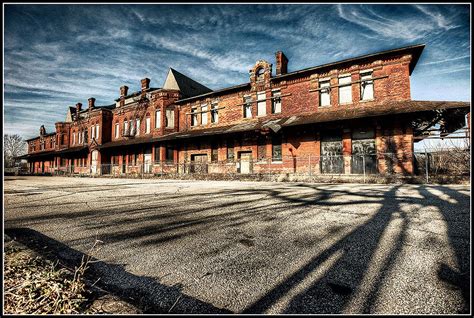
(58, 55)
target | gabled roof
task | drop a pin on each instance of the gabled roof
(187, 86)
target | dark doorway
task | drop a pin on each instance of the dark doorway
(363, 152)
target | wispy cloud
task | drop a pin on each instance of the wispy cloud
(57, 55)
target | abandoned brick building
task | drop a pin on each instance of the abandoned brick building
(345, 117)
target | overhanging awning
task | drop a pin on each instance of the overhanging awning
(449, 113)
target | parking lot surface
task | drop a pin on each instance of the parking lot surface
(258, 247)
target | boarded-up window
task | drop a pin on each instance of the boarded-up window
(158, 118)
(214, 152)
(276, 102)
(261, 104)
(157, 154)
(324, 93)
(137, 129)
(204, 114)
(345, 90)
(366, 86)
(276, 147)
(147, 125)
(170, 118)
(169, 153)
(247, 107)
(230, 150)
(261, 147)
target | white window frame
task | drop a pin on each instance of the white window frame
(74, 138)
(137, 125)
(117, 130)
(345, 89)
(125, 127)
(261, 104)
(204, 114)
(97, 129)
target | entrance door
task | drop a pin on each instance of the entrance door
(147, 160)
(245, 162)
(94, 163)
(198, 164)
(332, 160)
(363, 152)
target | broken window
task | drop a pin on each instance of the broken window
(260, 74)
(204, 114)
(261, 104)
(345, 90)
(366, 86)
(276, 102)
(247, 107)
(324, 93)
(214, 113)
(193, 116)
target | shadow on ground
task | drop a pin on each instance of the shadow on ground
(141, 291)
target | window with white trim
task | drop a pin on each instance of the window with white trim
(137, 125)
(366, 86)
(97, 131)
(117, 128)
(345, 90)
(125, 128)
(74, 138)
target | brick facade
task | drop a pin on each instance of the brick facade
(268, 97)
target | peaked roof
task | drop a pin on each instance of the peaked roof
(187, 86)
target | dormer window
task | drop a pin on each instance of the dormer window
(260, 74)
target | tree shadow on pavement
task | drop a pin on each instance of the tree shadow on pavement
(144, 292)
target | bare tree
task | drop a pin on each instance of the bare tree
(14, 146)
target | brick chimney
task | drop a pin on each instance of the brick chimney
(145, 84)
(78, 109)
(123, 93)
(281, 63)
(91, 103)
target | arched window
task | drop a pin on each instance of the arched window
(260, 73)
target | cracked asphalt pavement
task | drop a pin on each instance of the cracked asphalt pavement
(257, 247)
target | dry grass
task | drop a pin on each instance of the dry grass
(34, 285)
